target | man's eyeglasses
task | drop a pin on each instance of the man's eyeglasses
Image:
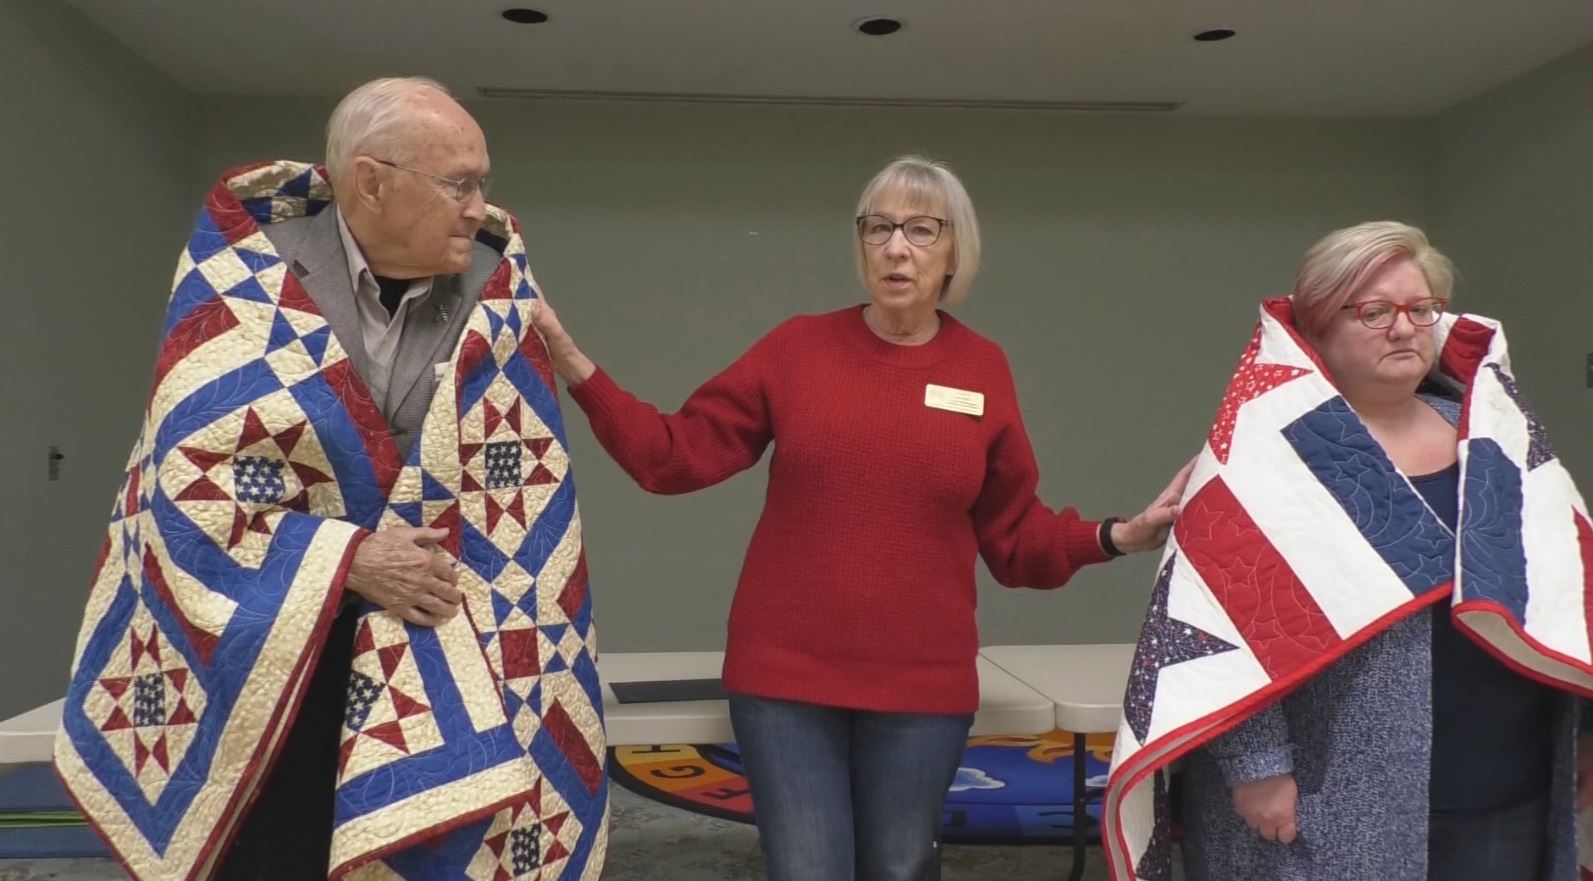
(1380, 314)
(922, 231)
(461, 189)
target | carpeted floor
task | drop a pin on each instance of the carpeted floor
(653, 842)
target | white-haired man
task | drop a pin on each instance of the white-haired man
(386, 263)
(352, 437)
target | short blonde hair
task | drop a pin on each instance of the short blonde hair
(371, 119)
(931, 186)
(1338, 266)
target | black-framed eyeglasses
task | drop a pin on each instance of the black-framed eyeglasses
(1381, 314)
(461, 188)
(921, 230)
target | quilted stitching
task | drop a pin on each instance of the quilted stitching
(260, 460)
(1299, 538)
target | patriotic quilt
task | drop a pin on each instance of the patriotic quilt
(469, 751)
(1299, 540)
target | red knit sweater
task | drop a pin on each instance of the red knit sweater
(858, 588)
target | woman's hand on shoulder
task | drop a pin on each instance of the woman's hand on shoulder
(568, 360)
(1147, 530)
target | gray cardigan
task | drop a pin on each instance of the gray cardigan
(1358, 739)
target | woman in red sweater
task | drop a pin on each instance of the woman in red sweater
(899, 454)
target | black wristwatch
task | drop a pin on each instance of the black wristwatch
(1104, 536)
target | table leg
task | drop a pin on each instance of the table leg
(1081, 816)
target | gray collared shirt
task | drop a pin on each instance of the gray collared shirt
(381, 332)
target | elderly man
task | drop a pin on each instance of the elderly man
(352, 437)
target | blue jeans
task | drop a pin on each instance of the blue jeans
(847, 795)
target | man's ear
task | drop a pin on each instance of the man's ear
(369, 183)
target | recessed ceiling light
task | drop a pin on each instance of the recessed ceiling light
(1214, 35)
(877, 26)
(522, 15)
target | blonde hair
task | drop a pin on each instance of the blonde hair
(931, 186)
(371, 119)
(1338, 266)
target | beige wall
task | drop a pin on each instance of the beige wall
(95, 210)
(1124, 258)
(1512, 185)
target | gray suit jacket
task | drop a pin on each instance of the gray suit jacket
(313, 251)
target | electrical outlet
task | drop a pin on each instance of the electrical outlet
(55, 462)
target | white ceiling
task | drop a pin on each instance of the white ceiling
(1290, 58)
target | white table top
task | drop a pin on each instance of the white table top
(666, 722)
(1085, 681)
(30, 737)
(1006, 706)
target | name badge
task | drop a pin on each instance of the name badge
(954, 399)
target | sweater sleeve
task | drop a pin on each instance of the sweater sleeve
(1259, 748)
(722, 428)
(1025, 543)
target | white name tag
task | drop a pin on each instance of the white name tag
(954, 399)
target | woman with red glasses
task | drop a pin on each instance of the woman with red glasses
(1406, 748)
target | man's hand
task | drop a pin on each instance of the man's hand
(400, 570)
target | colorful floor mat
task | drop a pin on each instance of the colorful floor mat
(1009, 789)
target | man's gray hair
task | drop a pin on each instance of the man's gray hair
(370, 120)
